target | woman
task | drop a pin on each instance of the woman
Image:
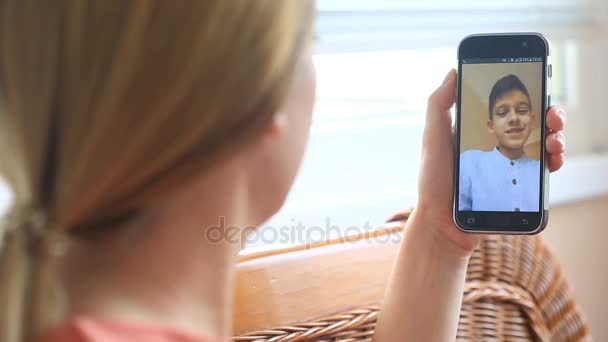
(130, 126)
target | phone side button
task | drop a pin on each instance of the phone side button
(549, 101)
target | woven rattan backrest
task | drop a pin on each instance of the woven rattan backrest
(515, 291)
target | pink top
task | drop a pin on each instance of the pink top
(85, 329)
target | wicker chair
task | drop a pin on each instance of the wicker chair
(515, 291)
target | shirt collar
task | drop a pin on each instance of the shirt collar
(499, 155)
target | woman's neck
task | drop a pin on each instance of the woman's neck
(165, 269)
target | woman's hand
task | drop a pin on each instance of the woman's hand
(424, 292)
(435, 201)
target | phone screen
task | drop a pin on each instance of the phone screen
(501, 112)
(500, 171)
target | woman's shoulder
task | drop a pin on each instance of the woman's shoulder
(84, 329)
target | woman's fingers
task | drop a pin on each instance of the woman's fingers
(556, 143)
(556, 119)
(556, 161)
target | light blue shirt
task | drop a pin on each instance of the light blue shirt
(489, 181)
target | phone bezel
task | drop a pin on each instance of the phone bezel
(504, 45)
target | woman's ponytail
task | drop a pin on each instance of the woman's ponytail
(28, 302)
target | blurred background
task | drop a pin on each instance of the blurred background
(377, 63)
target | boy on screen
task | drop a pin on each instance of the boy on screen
(504, 179)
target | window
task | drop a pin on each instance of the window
(377, 62)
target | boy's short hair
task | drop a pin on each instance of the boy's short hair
(503, 86)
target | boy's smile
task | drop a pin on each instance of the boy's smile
(512, 120)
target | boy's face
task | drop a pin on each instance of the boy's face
(512, 120)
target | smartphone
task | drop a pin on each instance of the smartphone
(501, 168)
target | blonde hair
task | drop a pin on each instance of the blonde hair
(106, 105)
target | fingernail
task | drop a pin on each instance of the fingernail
(560, 137)
(562, 115)
(447, 77)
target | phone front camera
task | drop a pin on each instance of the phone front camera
(524, 44)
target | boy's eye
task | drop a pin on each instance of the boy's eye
(502, 110)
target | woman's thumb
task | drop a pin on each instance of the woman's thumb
(444, 97)
(438, 128)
